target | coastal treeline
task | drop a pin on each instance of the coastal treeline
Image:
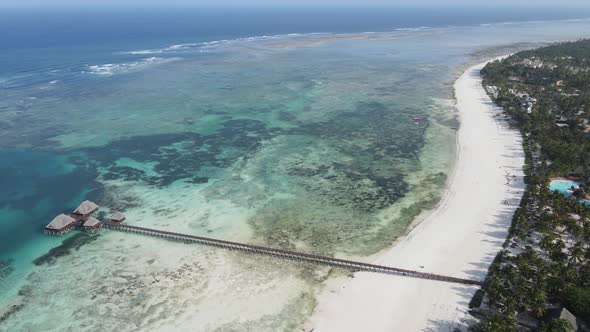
(540, 281)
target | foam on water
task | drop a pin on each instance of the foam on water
(173, 48)
(122, 68)
(192, 47)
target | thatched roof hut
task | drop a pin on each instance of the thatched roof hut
(60, 223)
(86, 208)
(117, 217)
(91, 223)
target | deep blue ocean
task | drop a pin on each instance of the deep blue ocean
(37, 39)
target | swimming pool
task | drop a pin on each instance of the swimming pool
(566, 187)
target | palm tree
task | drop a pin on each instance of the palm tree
(539, 302)
(496, 323)
(558, 325)
(576, 253)
(547, 243)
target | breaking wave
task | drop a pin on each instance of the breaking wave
(204, 46)
(109, 69)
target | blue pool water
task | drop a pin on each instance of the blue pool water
(566, 187)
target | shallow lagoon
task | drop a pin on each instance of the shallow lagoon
(301, 142)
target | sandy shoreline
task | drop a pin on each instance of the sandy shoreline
(460, 238)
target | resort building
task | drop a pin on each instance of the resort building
(86, 209)
(60, 225)
(81, 218)
(117, 217)
(92, 224)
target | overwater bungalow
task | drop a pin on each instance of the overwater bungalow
(86, 209)
(117, 217)
(60, 225)
(92, 224)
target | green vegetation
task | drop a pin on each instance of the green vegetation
(546, 258)
(558, 325)
(578, 299)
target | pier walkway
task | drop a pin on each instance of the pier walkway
(285, 254)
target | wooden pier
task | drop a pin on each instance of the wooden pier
(285, 254)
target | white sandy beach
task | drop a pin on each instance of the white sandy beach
(460, 238)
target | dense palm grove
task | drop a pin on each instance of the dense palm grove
(545, 260)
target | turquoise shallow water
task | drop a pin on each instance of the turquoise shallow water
(304, 142)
